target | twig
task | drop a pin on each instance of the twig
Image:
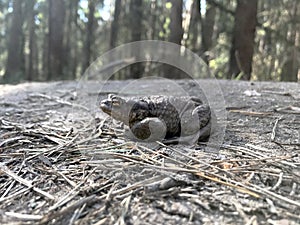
(273, 135)
(249, 113)
(11, 140)
(289, 109)
(24, 182)
(276, 93)
(60, 101)
(90, 200)
(255, 154)
(278, 182)
(23, 216)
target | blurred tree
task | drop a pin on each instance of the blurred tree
(89, 40)
(175, 36)
(136, 18)
(154, 18)
(194, 26)
(14, 64)
(71, 40)
(207, 25)
(43, 18)
(55, 41)
(291, 65)
(176, 30)
(32, 62)
(224, 22)
(242, 48)
(115, 25)
(58, 39)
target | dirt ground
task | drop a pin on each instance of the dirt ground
(62, 161)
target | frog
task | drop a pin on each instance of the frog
(183, 119)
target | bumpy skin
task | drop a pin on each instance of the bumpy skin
(160, 117)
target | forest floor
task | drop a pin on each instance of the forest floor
(62, 161)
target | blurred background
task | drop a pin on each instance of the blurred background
(44, 40)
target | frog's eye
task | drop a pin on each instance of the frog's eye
(115, 102)
(111, 96)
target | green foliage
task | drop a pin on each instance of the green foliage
(168, 5)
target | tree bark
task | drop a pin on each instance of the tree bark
(154, 11)
(115, 25)
(136, 17)
(207, 25)
(291, 66)
(207, 31)
(13, 71)
(89, 36)
(56, 34)
(74, 64)
(176, 30)
(176, 34)
(194, 31)
(242, 47)
(71, 39)
(32, 68)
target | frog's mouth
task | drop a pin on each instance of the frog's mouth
(106, 106)
(115, 111)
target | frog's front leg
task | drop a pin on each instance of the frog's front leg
(149, 129)
(204, 115)
(195, 124)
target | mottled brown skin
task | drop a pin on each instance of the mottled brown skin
(161, 117)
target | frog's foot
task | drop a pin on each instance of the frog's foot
(204, 132)
(148, 130)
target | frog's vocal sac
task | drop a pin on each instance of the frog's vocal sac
(156, 118)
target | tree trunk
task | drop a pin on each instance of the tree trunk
(56, 34)
(74, 63)
(13, 71)
(32, 70)
(154, 12)
(176, 34)
(207, 25)
(176, 30)
(291, 66)
(194, 26)
(136, 17)
(45, 55)
(115, 25)
(241, 52)
(71, 39)
(89, 36)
